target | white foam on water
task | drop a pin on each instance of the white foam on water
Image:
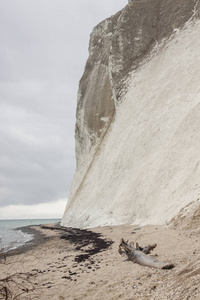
(12, 238)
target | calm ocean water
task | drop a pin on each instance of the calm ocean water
(11, 238)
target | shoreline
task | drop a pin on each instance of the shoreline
(76, 236)
(39, 238)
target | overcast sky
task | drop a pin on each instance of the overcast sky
(44, 47)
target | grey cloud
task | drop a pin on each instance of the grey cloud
(44, 47)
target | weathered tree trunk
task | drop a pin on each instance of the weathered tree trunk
(139, 255)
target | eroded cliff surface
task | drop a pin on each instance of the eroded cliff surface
(133, 97)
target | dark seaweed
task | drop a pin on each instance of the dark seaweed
(83, 238)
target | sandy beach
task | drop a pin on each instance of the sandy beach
(85, 264)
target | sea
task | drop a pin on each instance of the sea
(11, 237)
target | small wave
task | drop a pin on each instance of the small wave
(11, 239)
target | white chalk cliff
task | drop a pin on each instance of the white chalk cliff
(138, 117)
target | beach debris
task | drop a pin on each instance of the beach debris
(139, 255)
(86, 241)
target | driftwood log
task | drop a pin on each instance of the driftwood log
(139, 255)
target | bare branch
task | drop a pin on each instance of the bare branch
(15, 284)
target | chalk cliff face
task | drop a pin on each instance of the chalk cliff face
(138, 128)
